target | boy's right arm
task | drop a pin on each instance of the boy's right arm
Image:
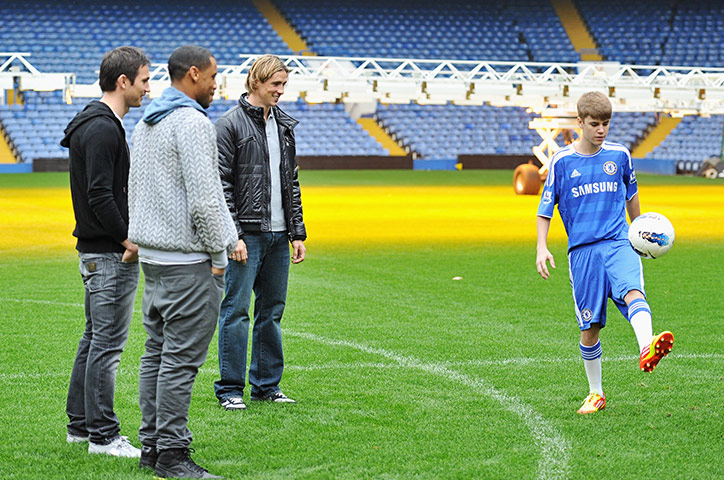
(543, 255)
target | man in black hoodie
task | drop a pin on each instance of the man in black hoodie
(99, 164)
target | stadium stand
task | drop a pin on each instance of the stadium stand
(629, 32)
(36, 128)
(628, 128)
(461, 30)
(444, 131)
(692, 141)
(72, 36)
(697, 33)
(542, 31)
(313, 132)
(657, 32)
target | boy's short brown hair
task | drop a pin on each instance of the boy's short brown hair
(595, 105)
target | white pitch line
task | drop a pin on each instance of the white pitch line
(43, 302)
(482, 363)
(552, 445)
(521, 361)
(554, 448)
(377, 365)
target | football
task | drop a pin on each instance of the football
(651, 235)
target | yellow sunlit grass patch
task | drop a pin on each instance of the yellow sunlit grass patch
(36, 220)
(373, 215)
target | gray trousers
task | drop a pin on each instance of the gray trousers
(180, 308)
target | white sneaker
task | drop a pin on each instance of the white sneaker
(119, 447)
(233, 403)
(70, 438)
(276, 397)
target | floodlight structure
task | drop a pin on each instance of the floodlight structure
(17, 73)
(539, 86)
(548, 89)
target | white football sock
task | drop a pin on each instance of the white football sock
(592, 362)
(640, 319)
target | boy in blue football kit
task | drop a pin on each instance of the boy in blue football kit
(593, 183)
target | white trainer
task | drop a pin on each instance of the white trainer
(233, 403)
(70, 438)
(119, 447)
(276, 397)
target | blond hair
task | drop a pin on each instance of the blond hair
(595, 105)
(263, 69)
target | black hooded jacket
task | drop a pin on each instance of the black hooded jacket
(99, 164)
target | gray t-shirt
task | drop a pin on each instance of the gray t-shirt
(278, 221)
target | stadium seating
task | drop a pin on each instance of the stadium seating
(36, 128)
(628, 128)
(72, 36)
(657, 32)
(463, 30)
(431, 131)
(629, 32)
(324, 129)
(444, 131)
(692, 141)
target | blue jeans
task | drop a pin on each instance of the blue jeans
(266, 273)
(110, 291)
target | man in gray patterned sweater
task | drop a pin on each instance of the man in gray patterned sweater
(184, 231)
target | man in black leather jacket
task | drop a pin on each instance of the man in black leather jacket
(259, 174)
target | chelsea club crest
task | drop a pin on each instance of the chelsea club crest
(610, 168)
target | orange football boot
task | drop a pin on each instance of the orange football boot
(660, 346)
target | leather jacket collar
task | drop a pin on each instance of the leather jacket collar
(257, 113)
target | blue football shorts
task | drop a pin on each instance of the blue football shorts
(599, 271)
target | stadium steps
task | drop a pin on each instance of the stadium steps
(576, 29)
(12, 98)
(655, 136)
(6, 155)
(373, 128)
(282, 27)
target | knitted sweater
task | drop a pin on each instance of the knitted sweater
(176, 202)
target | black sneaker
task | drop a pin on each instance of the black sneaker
(277, 397)
(149, 455)
(177, 463)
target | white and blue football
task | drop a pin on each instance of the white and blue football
(651, 235)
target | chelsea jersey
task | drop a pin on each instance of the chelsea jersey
(591, 193)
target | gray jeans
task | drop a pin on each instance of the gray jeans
(180, 308)
(110, 290)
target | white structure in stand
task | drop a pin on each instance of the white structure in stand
(545, 88)
(17, 73)
(549, 89)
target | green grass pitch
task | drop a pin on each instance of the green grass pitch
(400, 372)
